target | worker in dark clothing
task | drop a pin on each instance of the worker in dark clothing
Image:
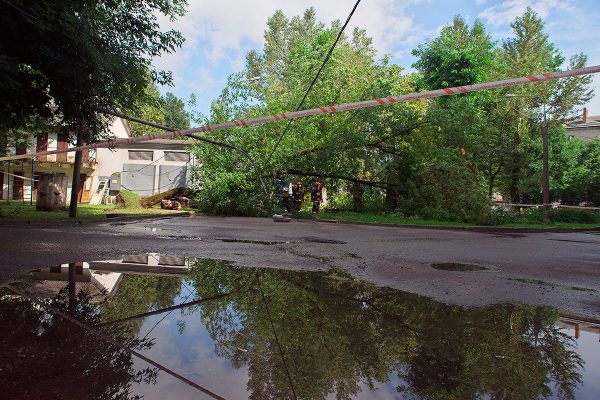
(286, 201)
(316, 196)
(280, 184)
(298, 195)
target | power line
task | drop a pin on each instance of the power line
(325, 109)
(315, 78)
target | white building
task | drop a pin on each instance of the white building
(145, 168)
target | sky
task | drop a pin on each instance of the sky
(219, 33)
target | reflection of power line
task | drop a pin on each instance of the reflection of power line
(287, 371)
(114, 342)
(175, 307)
(169, 313)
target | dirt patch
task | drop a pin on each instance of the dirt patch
(458, 267)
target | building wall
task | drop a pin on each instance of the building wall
(114, 161)
(586, 134)
(108, 162)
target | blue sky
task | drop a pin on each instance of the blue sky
(219, 34)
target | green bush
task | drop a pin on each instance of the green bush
(128, 200)
(536, 216)
(576, 216)
(340, 200)
(232, 193)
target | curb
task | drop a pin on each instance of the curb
(108, 218)
(481, 229)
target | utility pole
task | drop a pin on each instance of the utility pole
(76, 169)
(545, 177)
(545, 168)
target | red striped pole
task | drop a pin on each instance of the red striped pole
(327, 109)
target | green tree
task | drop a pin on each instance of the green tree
(175, 115)
(147, 107)
(339, 337)
(334, 146)
(70, 60)
(458, 56)
(528, 52)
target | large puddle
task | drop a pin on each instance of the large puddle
(162, 327)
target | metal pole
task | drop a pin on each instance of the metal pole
(545, 178)
(23, 183)
(32, 181)
(8, 183)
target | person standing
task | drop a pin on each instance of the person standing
(298, 195)
(286, 201)
(316, 196)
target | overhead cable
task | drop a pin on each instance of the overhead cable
(315, 78)
(379, 101)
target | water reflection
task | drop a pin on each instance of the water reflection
(42, 357)
(277, 334)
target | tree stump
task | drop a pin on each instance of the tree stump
(52, 192)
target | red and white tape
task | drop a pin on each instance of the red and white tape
(325, 110)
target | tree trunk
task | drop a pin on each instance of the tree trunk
(52, 191)
(76, 171)
(515, 171)
(357, 193)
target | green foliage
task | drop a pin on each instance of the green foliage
(458, 56)
(347, 337)
(443, 159)
(534, 216)
(167, 110)
(66, 60)
(129, 200)
(147, 107)
(175, 115)
(231, 193)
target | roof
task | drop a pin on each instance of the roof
(591, 121)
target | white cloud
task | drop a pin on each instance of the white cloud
(226, 29)
(508, 10)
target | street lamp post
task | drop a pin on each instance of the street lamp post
(545, 168)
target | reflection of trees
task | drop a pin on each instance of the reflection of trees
(139, 294)
(339, 335)
(44, 357)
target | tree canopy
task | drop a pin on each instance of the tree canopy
(69, 60)
(442, 159)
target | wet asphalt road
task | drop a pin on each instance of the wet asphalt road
(556, 269)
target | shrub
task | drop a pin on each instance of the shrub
(577, 216)
(232, 193)
(128, 200)
(536, 216)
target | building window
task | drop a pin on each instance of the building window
(141, 155)
(177, 156)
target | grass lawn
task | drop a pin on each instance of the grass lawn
(84, 211)
(392, 219)
(385, 219)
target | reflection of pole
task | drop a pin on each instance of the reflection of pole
(8, 183)
(72, 292)
(545, 178)
(32, 181)
(23, 183)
